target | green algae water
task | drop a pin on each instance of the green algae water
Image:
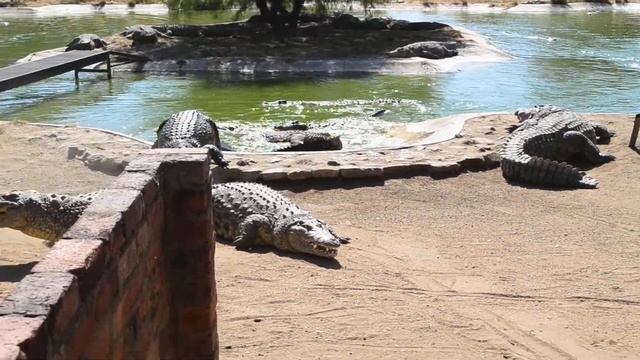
(588, 62)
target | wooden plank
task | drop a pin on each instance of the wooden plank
(634, 132)
(26, 73)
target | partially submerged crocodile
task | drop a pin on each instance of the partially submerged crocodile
(546, 137)
(246, 213)
(252, 214)
(143, 34)
(45, 216)
(191, 129)
(302, 140)
(86, 42)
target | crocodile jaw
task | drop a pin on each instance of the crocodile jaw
(311, 236)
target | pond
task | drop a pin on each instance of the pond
(588, 62)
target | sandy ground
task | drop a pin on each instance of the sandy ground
(463, 268)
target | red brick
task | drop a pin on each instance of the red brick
(192, 291)
(100, 342)
(188, 174)
(195, 263)
(127, 263)
(128, 301)
(153, 351)
(67, 309)
(148, 162)
(106, 294)
(118, 349)
(83, 258)
(69, 255)
(10, 352)
(15, 329)
(195, 319)
(154, 255)
(107, 227)
(198, 201)
(151, 228)
(37, 294)
(197, 346)
(191, 231)
(75, 344)
(111, 202)
(143, 182)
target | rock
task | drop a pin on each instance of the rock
(356, 172)
(346, 21)
(75, 151)
(374, 24)
(325, 173)
(425, 49)
(294, 125)
(297, 175)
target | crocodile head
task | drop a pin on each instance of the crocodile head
(12, 211)
(309, 235)
(538, 110)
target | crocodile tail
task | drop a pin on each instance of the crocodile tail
(545, 172)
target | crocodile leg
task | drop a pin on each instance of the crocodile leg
(217, 156)
(589, 149)
(249, 230)
(604, 135)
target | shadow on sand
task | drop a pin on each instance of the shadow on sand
(15, 273)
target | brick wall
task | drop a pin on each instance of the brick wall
(133, 278)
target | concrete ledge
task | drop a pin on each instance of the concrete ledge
(473, 148)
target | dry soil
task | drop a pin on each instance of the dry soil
(462, 268)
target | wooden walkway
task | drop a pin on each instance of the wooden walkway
(26, 73)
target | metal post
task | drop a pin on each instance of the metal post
(108, 67)
(77, 77)
(634, 132)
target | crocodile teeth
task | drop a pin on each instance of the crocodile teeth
(325, 249)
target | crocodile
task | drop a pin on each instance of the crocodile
(426, 49)
(179, 30)
(45, 216)
(143, 34)
(246, 213)
(546, 137)
(86, 42)
(301, 140)
(191, 129)
(251, 214)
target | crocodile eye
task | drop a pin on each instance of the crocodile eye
(305, 226)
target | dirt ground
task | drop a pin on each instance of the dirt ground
(462, 268)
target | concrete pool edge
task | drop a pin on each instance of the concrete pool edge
(445, 150)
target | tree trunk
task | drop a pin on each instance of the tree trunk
(264, 9)
(295, 13)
